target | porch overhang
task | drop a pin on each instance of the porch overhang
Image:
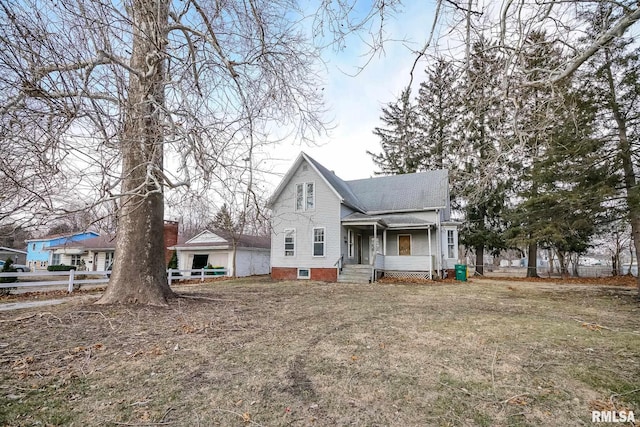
(362, 220)
(390, 222)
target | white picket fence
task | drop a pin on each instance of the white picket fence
(97, 277)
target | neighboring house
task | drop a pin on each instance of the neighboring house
(324, 228)
(18, 256)
(38, 254)
(97, 253)
(215, 248)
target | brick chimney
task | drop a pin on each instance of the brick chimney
(170, 238)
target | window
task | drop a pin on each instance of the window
(350, 243)
(33, 246)
(311, 198)
(303, 273)
(55, 259)
(290, 242)
(305, 196)
(451, 245)
(75, 260)
(299, 197)
(318, 241)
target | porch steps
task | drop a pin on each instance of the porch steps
(355, 274)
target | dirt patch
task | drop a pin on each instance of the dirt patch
(244, 352)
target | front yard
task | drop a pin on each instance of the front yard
(245, 352)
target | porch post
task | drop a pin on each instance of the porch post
(384, 242)
(375, 241)
(430, 255)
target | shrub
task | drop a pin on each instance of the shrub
(216, 271)
(173, 264)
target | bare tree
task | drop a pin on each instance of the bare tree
(130, 101)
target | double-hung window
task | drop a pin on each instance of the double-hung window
(451, 244)
(305, 196)
(318, 242)
(290, 242)
(75, 260)
(55, 259)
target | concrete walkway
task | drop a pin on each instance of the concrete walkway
(29, 304)
(76, 299)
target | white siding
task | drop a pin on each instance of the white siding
(407, 263)
(419, 242)
(220, 258)
(206, 237)
(251, 262)
(326, 213)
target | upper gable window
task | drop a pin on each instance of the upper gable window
(305, 196)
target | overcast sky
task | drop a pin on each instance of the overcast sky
(355, 102)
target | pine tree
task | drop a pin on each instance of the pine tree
(616, 76)
(402, 150)
(562, 181)
(481, 179)
(438, 107)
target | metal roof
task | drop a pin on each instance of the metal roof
(384, 194)
(402, 193)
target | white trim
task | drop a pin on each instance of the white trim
(304, 277)
(302, 186)
(410, 244)
(195, 239)
(305, 195)
(285, 242)
(289, 175)
(324, 242)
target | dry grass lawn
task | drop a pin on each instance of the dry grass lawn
(256, 352)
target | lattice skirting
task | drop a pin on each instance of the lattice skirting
(408, 274)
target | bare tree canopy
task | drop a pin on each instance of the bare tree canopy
(105, 100)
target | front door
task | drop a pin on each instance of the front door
(404, 244)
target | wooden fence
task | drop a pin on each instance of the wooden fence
(75, 279)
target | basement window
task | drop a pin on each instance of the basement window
(304, 273)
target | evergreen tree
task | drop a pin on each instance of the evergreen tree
(438, 108)
(562, 182)
(402, 150)
(481, 180)
(616, 77)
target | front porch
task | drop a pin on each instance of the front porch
(406, 247)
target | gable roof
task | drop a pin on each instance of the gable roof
(107, 242)
(384, 194)
(407, 192)
(337, 185)
(17, 251)
(221, 239)
(62, 236)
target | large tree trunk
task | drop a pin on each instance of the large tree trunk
(626, 156)
(479, 260)
(139, 271)
(532, 260)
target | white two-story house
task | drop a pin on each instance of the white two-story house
(324, 228)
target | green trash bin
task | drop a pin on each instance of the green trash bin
(461, 272)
